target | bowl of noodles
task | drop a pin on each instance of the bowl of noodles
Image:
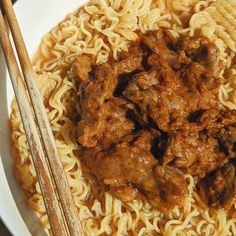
(141, 98)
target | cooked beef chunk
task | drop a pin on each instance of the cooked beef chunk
(153, 116)
(103, 117)
(218, 188)
(167, 99)
(200, 50)
(171, 189)
(129, 168)
(82, 67)
(105, 125)
(130, 61)
(227, 140)
(193, 154)
(128, 161)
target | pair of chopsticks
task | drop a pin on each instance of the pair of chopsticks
(61, 209)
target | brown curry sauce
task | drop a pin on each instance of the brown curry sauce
(153, 116)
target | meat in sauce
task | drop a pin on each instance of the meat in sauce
(153, 116)
(129, 168)
(218, 188)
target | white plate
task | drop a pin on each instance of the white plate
(36, 17)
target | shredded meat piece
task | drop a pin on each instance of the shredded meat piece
(82, 67)
(200, 50)
(130, 166)
(171, 188)
(105, 125)
(152, 91)
(165, 50)
(218, 188)
(168, 100)
(227, 140)
(125, 193)
(124, 163)
(153, 116)
(130, 61)
(196, 155)
(103, 117)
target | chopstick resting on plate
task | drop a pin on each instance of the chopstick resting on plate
(61, 210)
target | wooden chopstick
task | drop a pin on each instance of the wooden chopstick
(48, 142)
(47, 187)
